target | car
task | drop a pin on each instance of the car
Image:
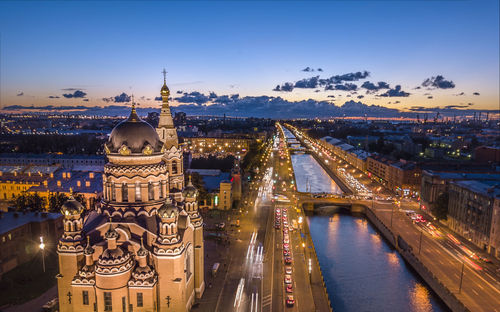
(288, 270)
(286, 240)
(289, 288)
(286, 246)
(286, 253)
(288, 260)
(288, 279)
(290, 301)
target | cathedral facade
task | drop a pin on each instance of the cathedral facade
(142, 250)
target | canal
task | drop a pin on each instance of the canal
(361, 271)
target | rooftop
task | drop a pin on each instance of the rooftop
(13, 220)
(486, 188)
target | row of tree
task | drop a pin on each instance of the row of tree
(34, 202)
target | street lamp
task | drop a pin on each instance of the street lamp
(42, 247)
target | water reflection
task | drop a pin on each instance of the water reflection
(361, 272)
(310, 176)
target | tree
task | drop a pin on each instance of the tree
(21, 202)
(56, 201)
(440, 207)
(29, 202)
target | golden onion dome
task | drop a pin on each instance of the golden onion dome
(71, 207)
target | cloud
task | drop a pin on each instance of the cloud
(76, 94)
(310, 69)
(397, 102)
(438, 82)
(460, 94)
(349, 77)
(333, 83)
(331, 96)
(53, 97)
(85, 100)
(122, 98)
(307, 83)
(286, 87)
(20, 93)
(395, 92)
(430, 97)
(342, 87)
(375, 87)
(158, 98)
(455, 106)
(179, 92)
(360, 96)
(193, 97)
(475, 93)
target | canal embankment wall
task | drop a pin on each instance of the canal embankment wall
(405, 250)
(318, 286)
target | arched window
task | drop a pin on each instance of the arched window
(151, 192)
(174, 167)
(113, 192)
(124, 192)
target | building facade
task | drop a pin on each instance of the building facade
(142, 249)
(20, 234)
(470, 210)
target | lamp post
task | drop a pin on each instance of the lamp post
(42, 247)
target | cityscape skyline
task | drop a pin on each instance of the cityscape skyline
(422, 58)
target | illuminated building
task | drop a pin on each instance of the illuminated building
(142, 250)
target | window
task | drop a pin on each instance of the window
(124, 192)
(85, 296)
(174, 167)
(113, 192)
(108, 304)
(140, 300)
(137, 191)
(151, 193)
(124, 304)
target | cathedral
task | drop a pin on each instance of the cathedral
(142, 249)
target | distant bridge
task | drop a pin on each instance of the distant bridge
(309, 202)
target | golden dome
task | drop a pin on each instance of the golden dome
(71, 207)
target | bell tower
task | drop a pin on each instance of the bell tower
(166, 130)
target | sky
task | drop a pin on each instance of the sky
(440, 53)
